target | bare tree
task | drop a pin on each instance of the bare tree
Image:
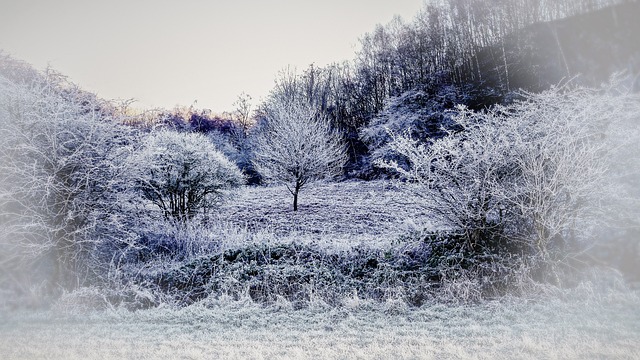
(297, 146)
(243, 112)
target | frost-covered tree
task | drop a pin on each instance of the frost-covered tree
(242, 113)
(545, 171)
(182, 174)
(296, 146)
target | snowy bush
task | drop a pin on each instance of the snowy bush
(297, 146)
(181, 174)
(545, 172)
(425, 114)
(60, 178)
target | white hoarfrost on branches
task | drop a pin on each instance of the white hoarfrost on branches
(545, 171)
(59, 177)
(297, 146)
(182, 174)
(425, 114)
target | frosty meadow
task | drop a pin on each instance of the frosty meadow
(467, 187)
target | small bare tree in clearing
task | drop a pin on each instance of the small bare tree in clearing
(297, 146)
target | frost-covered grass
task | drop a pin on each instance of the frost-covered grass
(585, 327)
(345, 213)
(350, 237)
(596, 319)
(346, 237)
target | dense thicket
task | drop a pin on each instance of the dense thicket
(77, 186)
(473, 52)
(60, 179)
(546, 172)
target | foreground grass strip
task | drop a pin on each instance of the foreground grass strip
(607, 328)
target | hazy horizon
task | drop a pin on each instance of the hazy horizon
(164, 54)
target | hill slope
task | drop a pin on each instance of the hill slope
(591, 47)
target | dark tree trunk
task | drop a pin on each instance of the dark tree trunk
(295, 192)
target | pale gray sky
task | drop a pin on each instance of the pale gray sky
(165, 53)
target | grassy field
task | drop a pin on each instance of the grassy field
(589, 322)
(604, 327)
(345, 213)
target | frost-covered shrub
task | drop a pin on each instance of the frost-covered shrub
(171, 241)
(181, 174)
(263, 272)
(225, 144)
(238, 148)
(60, 180)
(545, 172)
(300, 274)
(424, 114)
